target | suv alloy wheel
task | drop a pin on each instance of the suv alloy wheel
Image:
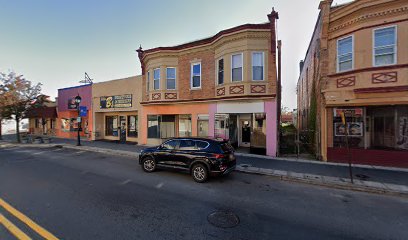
(149, 165)
(199, 173)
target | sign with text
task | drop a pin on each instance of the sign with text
(349, 112)
(119, 101)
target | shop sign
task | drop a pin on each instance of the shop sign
(350, 112)
(119, 101)
(72, 104)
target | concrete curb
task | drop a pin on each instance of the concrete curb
(341, 183)
(328, 181)
(321, 162)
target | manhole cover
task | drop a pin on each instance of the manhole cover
(223, 219)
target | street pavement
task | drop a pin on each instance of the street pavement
(77, 194)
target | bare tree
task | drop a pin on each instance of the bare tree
(20, 94)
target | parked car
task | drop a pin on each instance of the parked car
(201, 157)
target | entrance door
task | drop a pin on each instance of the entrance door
(245, 133)
(383, 132)
(122, 124)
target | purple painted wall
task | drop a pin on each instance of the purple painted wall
(271, 128)
(64, 94)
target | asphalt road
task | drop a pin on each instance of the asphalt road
(84, 195)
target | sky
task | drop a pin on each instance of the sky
(56, 42)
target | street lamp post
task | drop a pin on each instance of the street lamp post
(77, 102)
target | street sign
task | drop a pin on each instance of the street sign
(78, 119)
(82, 111)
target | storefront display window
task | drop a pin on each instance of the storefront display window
(355, 125)
(184, 125)
(132, 126)
(202, 125)
(258, 135)
(153, 126)
(167, 126)
(111, 126)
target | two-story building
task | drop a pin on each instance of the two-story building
(223, 86)
(357, 65)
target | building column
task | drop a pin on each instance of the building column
(271, 128)
(211, 119)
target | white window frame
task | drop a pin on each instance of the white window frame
(175, 79)
(263, 65)
(217, 72)
(191, 75)
(242, 64)
(352, 53)
(154, 79)
(148, 81)
(395, 45)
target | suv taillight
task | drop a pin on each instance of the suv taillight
(218, 156)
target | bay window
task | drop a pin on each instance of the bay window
(345, 54)
(384, 46)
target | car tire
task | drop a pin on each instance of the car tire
(148, 164)
(199, 172)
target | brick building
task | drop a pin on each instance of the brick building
(357, 65)
(224, 86)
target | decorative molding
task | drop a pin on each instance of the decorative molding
(384, 77)
(382, 89)
(369, 16)
(239, 89)
(241, 97)
(368, 69)
(156, 96)
(221, 91)
(346, 82)
(170, 96)
(258, 88)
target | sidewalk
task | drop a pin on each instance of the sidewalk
(366, 178)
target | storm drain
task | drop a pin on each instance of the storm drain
(223, 219)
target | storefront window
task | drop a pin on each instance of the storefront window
(184, 125)
(389, 127)
(258, 135)
(202, 125)
(111, 126)
(153, 126)
(167, 126)
(132, 126)
(355, 124)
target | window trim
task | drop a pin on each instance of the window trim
(242, 66)
(352, 53)
(192, 75)
(175, 79)
(218, 71)
(263, 66)
(395, 45)
(154, 86)
(148, 81)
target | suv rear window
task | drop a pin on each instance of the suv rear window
(187, 145)
(201, 144)
(226, 147)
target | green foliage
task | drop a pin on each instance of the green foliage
(16, 95)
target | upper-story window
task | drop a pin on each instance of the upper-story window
(156, 79)
(148, 81)
(220, 71)
(385, 46)
(345, 54)
(195, 75)
(257, 66)
(171, 78)
(236, 67)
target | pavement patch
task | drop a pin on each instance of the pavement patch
(223, 219)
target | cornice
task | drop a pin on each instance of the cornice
(369, 16)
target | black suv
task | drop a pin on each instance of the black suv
(200, 157)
